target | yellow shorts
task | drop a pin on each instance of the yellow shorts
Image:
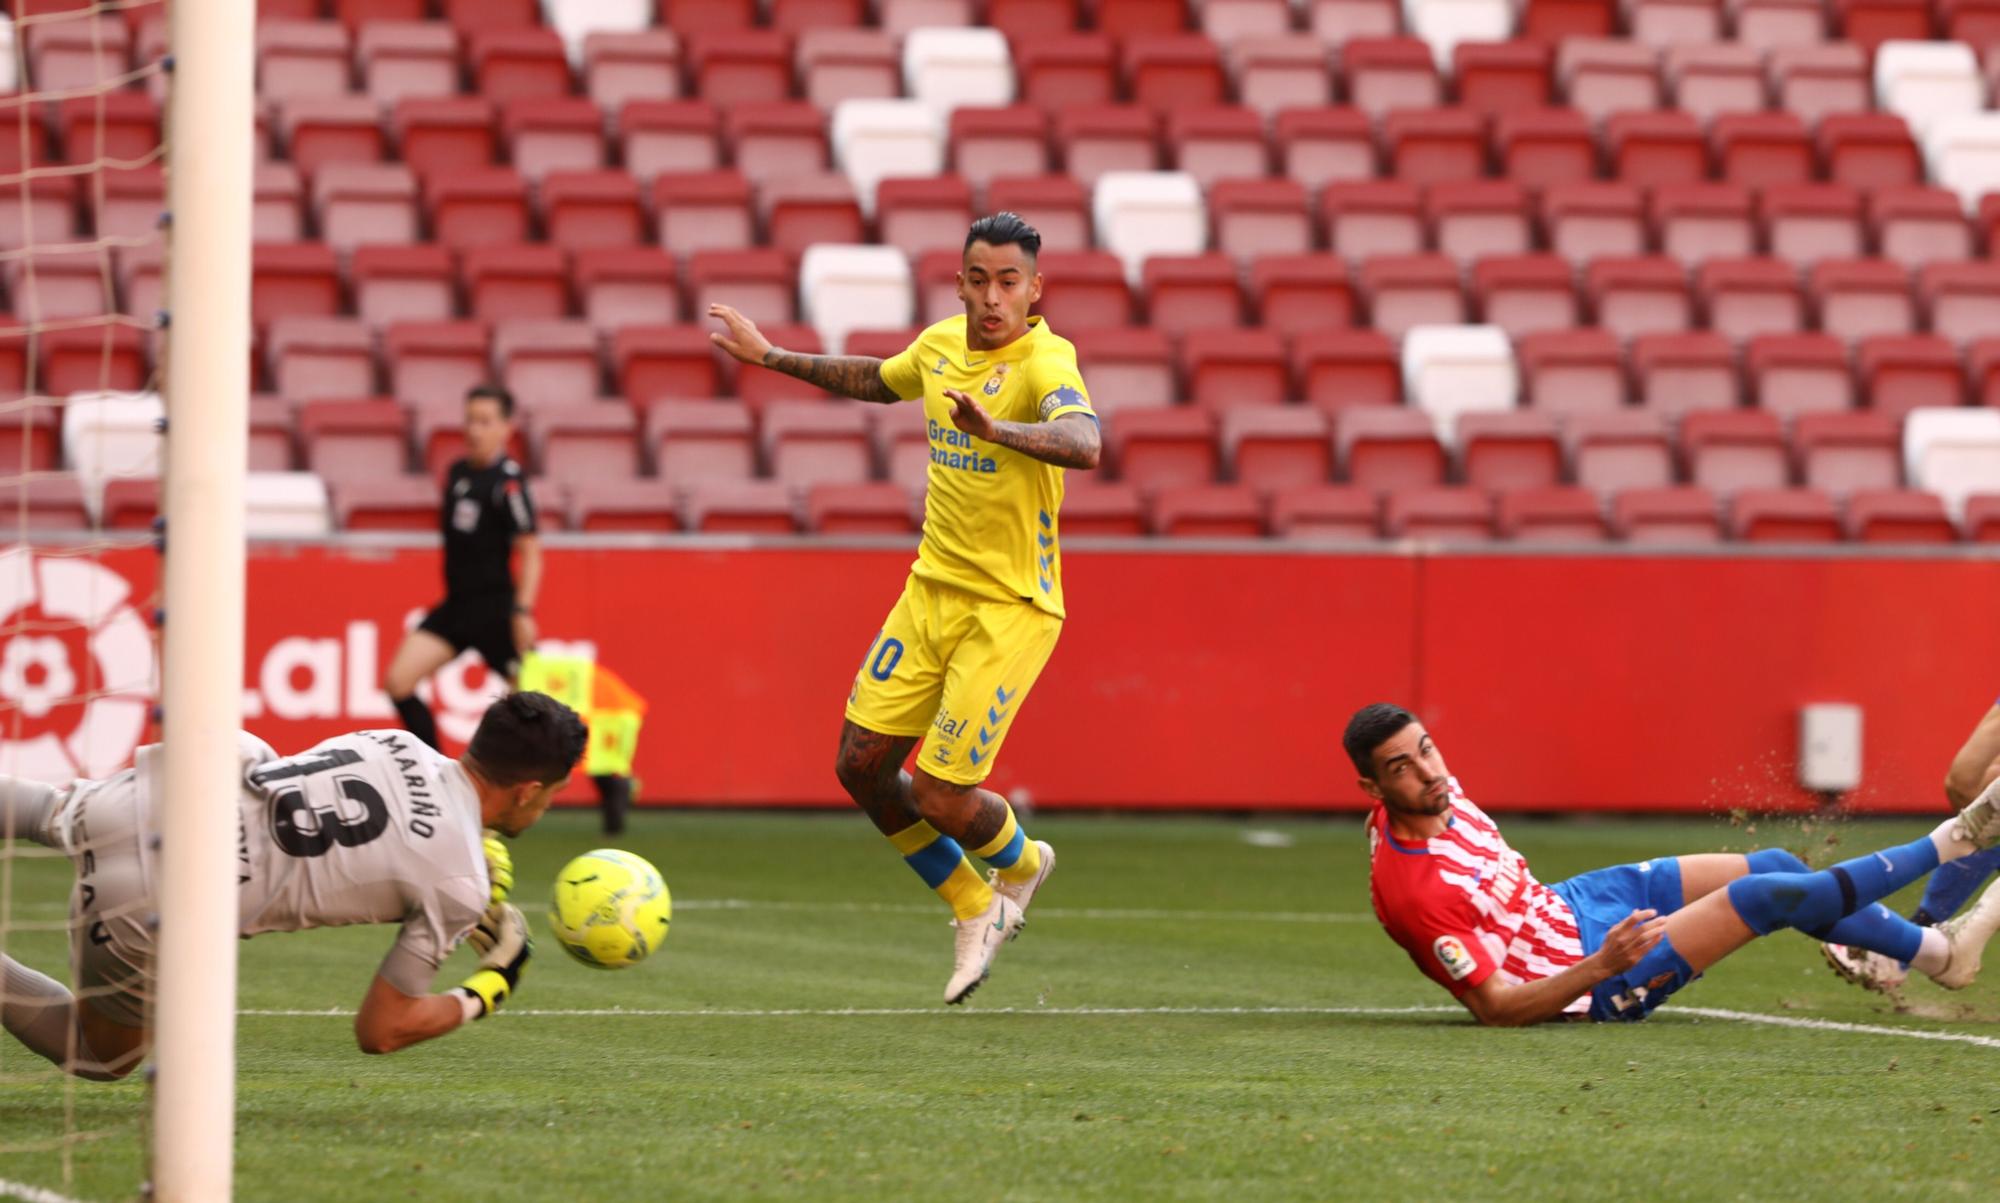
(954, 669)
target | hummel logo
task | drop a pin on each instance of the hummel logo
(1003, 695)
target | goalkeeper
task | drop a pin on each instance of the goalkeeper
(373, 827)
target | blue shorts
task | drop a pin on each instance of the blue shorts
(1600, 900)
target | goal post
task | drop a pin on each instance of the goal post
(210, 127)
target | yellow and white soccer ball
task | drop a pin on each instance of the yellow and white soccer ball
(610, 909)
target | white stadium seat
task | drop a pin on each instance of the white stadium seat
(575, 20)
(875, 140)
(281, 504)
(1451, 370)
(1924, 82)
(110, 436)
(946, 68)
(848, 288)
(1139, 214)
(1952, 452)
(1963, 154)
(9, 73)
(1443, 24)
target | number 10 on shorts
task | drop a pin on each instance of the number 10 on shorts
(883, 656)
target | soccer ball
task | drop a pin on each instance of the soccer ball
(610, 909)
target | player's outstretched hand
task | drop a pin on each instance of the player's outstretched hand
(502, 942)
(1627, 943)
(499, 867)
(740, 336)
(967, 415)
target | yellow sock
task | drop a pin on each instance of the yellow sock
(1011, 853)
(939, 860)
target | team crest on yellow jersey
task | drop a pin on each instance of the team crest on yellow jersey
(999, 379)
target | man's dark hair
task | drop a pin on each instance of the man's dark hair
(492, 392)
(1371, 727)
(1003, 229)
(527, 737)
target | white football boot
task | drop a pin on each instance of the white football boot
(1979, 822)
(1868, 970)
(1023, 892)
(1968, 933)
(979, 939)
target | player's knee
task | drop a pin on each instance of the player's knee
(859, 774)
(937, 800)
(1962, 782)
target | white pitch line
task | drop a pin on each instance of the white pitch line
(1052, 912)
(31, 1194)
(1832, 1025)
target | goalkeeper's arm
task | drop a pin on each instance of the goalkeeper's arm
(390, 1019)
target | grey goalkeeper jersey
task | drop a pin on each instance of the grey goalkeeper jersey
(373, 827)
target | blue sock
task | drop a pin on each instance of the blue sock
(1878, 929)
(1953, 883)
(1776, 860)
(1814, 902)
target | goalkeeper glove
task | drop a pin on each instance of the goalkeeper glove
(502, 941)
(499, 867)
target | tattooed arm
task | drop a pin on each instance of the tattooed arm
(1071, 441)
(856, 376)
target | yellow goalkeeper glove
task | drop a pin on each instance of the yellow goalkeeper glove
(504, 949)
(499, 867)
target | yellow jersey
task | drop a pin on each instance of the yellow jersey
(991, 513)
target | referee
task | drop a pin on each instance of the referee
(487, 516)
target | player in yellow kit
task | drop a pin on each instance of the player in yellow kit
(1007, 412)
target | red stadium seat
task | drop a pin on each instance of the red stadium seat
(1780, 515)
(798, 16)
(688, 16)
(80, 359)
(1317, 146)
(633, 65)
(377, 503)
(1385, 448)
(1096, 139)
(276, 210)
(546, 362)
(1900, 373)
(837, 64)
(75, 54)
(436, 362)
(1325, 514)
(1981, 518)
(1124, 18)
(704, 211)
(592, 209)
(622, 505)
(1229, 368)
(1844, 452)
(1815, 80)
(1747, 297)
(619, 286)
(1654, 148)
(592, 441)
(937, 285)
(1732, 450)
(1678, 373)
(1962, 300)
(751, 507)
(1619, 450)
(1603, 77)
(1810, 223)
(1405, 291)
(1639, 295)
(1873, 150)
(1441, 514)
(1917, 226)
(1384, 74)
(1497, 78)
(1713, 78)
(504, 281)
(1472, 219)
(697, 441)
(656, 137)
(1295, 293)
(807, 443)
(1191, 292)
(1974, 22)
(47, 503)
(507, 64)
(1059, 71)
(918, 215)
(271, 428)
(1773, 25)
(1260, 217)
(759, 283)
(800, 210)
(360, 203)
(1503, 451)
(1859, 298)
(776, 139)
(1899, 516)
(987, 143)
(1056, 205)
(1524, 294)
(1538, 147)
(1869, 23)
(1085, 289)
(1592, 220)
(129, 504)
(445, 134)
(357, 14)
(1163, 448)
(1667, 517)
(1339, 369)
(315, 357)
(331, 129)
(651, 363)
(355, 440)
(553, 133)
(1337, 22)
(477, 206)
(1433, 145)
(860, 509)
(1796, 374)
(1761, 149)
(1103, 509)
(1270, 448)
(1552, 515)
(1172, 71)
(301, 58)
(901, 438)
(1982, 366)
(1571, 371)
(1663, 23)
(286, 279)
(1127, 367)
(1281, 71)
(1373, 217)
(112, 125)
(1208, 511)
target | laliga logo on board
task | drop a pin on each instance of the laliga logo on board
(78, 670)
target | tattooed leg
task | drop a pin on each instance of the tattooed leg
(870, 768)
(967, 813)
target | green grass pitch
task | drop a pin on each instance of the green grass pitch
(1353, 1085)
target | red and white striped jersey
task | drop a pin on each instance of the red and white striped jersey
(1464, 905)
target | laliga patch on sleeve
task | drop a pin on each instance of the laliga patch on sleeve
(1452, 955)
